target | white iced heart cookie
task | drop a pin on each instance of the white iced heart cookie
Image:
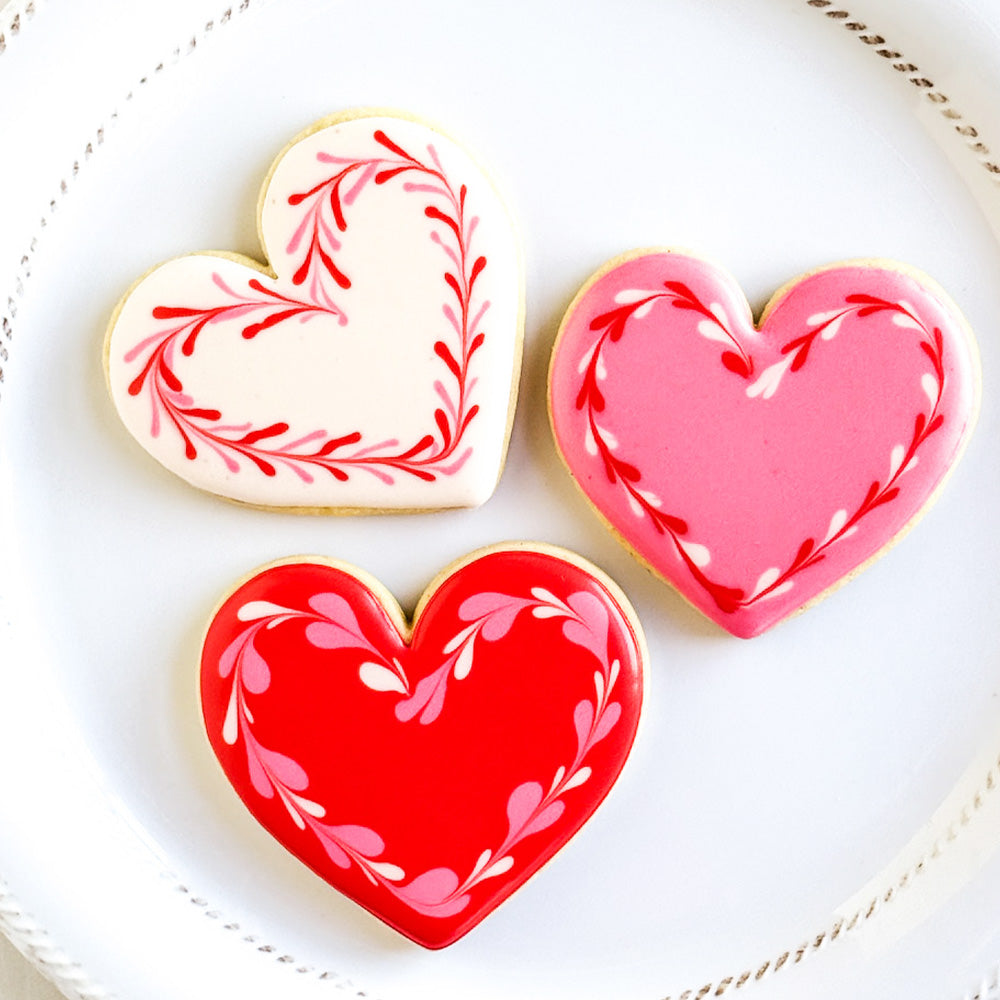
(372, 366)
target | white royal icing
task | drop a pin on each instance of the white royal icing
(374, 370)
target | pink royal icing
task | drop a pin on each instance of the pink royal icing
(374, 369)
(752, 468)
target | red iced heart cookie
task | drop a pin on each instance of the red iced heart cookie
(754, 468)
(426, 776)
(373, 369)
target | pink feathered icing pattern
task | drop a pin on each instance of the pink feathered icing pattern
(753, 469)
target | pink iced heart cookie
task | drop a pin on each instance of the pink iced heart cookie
(427, 773)
(371, 366)
(754, 468)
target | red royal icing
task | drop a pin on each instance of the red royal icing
(428, 778)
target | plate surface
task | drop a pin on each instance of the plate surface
(778, 785)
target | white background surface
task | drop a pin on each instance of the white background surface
(812, 793)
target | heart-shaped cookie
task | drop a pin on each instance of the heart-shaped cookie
(426, 774)
(754, 468)
(373, 368)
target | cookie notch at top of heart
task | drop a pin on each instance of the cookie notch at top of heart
(371, 365)
(757, 467)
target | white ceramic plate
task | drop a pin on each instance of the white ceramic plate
(783, 789)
